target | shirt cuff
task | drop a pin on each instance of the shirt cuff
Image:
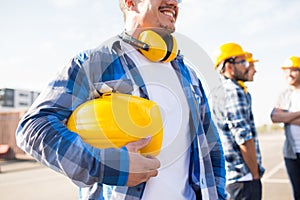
(243, 137)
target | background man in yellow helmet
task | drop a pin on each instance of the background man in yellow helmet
(251, 71)
(234, 117)
(142, 61)
(251, 68)
(287, 111)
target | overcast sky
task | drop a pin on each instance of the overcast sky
(38, 37)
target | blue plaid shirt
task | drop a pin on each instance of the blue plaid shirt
(43, 134)
(233, 113)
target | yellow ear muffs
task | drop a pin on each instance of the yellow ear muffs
(115, 119)
(172, 50)
(161, 49)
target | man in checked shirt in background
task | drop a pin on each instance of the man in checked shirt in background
(232, 108)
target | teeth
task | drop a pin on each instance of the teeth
(168, 13)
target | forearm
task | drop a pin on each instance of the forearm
(50, 142)
(295, 121)
(248, 152)
(282, 116)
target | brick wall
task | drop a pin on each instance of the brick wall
(8, 124)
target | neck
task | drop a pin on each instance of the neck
(295, 87)
(131, 26)
(229, 76)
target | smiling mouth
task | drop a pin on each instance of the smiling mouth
(168, 12)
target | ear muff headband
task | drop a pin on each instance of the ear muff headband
(153, 46)
(131, 40)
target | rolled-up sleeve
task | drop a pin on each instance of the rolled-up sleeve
(238, 115)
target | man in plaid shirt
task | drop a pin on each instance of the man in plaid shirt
(191, 162)
(233, 114)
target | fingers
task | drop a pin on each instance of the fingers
(154, 163)
(141, 167)
(137, 145)
(137, 178)
(152, 173)
(142, 164)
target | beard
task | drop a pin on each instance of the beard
(239, 76)
(167, 29)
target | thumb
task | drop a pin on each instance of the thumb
(137, 145)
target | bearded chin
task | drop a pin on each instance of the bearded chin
(167, 28)
(239, 78)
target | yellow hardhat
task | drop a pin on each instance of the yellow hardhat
(228, 50)
(115, 119)
(291, 62)
(249, 58)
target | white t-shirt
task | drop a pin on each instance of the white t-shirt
(164, 88)
(295, 129)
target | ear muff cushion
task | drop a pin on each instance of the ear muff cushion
(171, 49)
(162, 49)
(158, 47)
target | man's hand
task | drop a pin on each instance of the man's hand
(248, 152)
(141, 168)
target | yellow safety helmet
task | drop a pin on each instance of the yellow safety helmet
(228, 50)
(115, 119)
(291, 62)
(249, 58)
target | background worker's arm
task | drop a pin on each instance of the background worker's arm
(248, 152)
(282, 116)
(295, 121)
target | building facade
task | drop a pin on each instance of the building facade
(17, 98)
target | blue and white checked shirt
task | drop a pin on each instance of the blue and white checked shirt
(232, 109)
(42, 132)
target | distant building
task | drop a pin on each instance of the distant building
(17, 98)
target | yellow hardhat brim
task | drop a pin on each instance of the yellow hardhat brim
(292, 67)
(291, 62)
(249, 57)
(253, 60)
(115, 119)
